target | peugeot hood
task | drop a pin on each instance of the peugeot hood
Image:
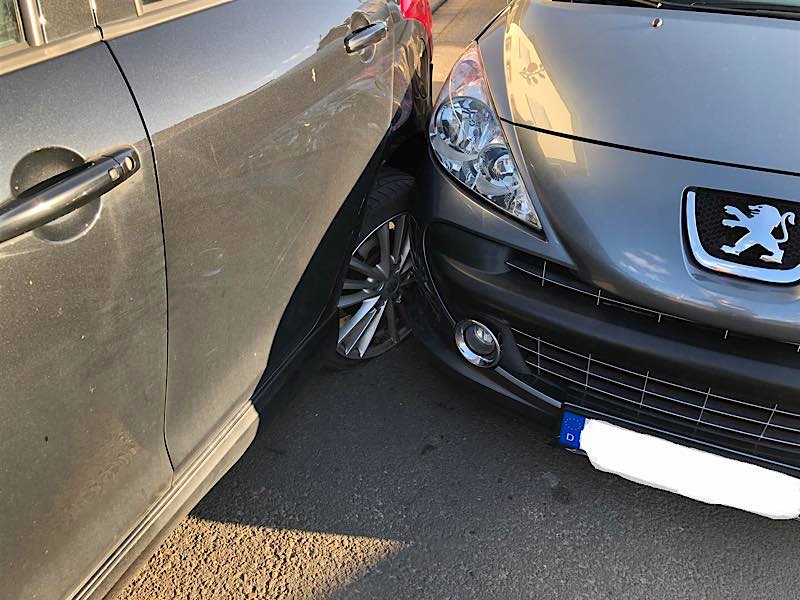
(716, 87)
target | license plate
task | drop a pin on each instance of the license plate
(686, 471)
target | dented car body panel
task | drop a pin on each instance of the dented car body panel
(161, 306)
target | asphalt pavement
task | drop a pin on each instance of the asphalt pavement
(396, 481)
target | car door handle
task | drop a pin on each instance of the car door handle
(366, 36)
(66, 192)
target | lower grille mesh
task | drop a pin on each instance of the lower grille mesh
(587, 381)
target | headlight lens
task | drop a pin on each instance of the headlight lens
(466, 137)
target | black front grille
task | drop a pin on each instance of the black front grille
(551, 275)
(687, 403)
(691, 411)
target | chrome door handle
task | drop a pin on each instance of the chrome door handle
(366, 36)
(66, 192)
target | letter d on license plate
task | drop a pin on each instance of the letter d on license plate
(571, 428)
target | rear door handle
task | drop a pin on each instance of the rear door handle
(66, 192)
(366, 36)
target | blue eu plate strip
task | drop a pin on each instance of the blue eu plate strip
(571, 427)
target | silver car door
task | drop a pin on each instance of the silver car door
(262, 122)
(82, 290)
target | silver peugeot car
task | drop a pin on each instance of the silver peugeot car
(198, 196)
(609, 236)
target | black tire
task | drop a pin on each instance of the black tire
(390, 197)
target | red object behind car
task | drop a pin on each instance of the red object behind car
(421, 11)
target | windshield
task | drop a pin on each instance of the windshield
(783, 4)
(789, 9)
(743, 4)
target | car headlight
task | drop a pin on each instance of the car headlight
(467, 140)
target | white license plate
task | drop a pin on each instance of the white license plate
(686, 471)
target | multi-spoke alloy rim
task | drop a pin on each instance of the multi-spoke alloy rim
(370, 316)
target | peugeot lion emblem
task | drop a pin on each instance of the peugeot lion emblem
(744, 235)
(762, 221)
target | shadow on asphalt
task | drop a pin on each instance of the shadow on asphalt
(478, 505)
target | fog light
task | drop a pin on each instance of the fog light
(477, 344)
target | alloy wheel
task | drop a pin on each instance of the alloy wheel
(371, 316)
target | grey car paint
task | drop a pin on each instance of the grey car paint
(712, 86)
(254, 159)
(83, 339)
(585, 201)
(588, 191)
(261, 125)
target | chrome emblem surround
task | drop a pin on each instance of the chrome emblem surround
(763, 219)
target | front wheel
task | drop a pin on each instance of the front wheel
(370, 308)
